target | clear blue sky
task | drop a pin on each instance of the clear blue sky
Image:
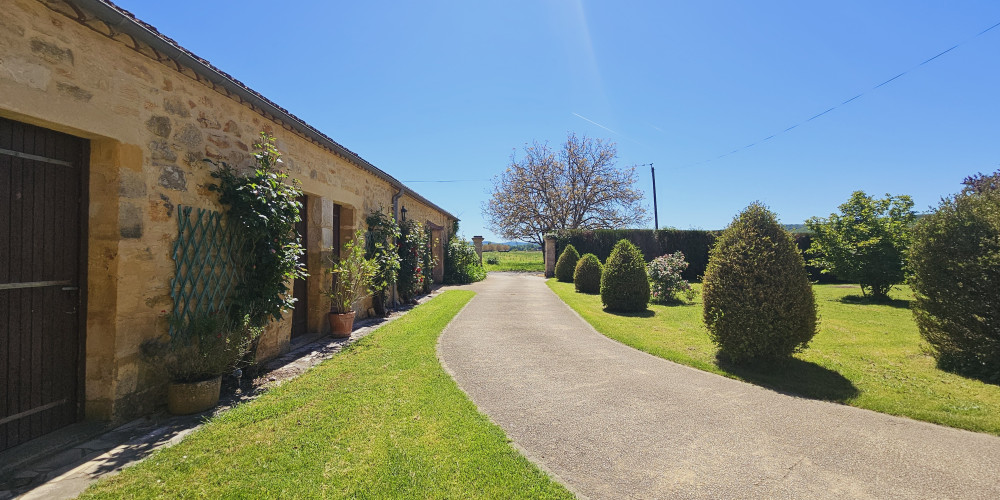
(432, 91)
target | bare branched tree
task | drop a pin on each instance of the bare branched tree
(577, 188)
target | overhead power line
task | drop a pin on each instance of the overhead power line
(848, 101)
(452, 180)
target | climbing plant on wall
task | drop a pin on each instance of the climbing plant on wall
(383, 231)
(412, 248)
(262, 208)
(427, 260)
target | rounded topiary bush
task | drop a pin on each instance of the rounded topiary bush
(567, 264)
(759, 304)
(955, 261)
(587, 276)
(624, 284)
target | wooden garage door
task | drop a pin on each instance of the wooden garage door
(41, 291)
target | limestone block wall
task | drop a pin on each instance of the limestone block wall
(550, 255)
(151, 125)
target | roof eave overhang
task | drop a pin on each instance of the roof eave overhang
(117, 18)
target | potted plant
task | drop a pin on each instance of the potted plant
(195, 354)
(351, 283)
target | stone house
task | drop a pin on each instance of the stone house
(104, 125)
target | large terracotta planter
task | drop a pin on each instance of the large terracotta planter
(194, 397)
(341, 325)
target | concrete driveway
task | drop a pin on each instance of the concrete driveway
(613, 422)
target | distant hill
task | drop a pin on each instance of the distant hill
(797, 228)
(801, 228)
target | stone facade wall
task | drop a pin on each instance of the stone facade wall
(150, 127)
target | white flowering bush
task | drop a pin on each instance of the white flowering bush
(665, 280)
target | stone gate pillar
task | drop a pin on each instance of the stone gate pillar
(478, 241)
(550, 255)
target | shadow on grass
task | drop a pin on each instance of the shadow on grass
(973, 369)
(632, 314)
(674, 303)
(868, 301)
(795, 378)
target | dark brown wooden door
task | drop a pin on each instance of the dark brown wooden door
(41, 282)
(300, 316)
(336, 231)
(335, 251)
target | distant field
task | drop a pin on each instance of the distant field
(522, 260)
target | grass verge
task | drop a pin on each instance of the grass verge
(519, 260)
(380, 420)
(866, 355)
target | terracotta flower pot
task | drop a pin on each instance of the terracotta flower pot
(194, 397)
(341, 325)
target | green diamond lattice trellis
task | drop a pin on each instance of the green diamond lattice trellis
(206, 263)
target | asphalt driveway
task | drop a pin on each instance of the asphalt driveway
(613, 422)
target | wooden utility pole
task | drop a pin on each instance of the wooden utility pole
(656, 214)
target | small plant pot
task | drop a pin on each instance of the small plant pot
(341, 325)
(194, 397)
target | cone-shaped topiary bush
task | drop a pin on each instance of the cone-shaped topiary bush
(624, 283)
(587, 276)
(955, 260)
(759, 304)
(567, 264)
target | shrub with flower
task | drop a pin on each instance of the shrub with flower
(380, 241)
(427, 259)
(413, 245)
(665, 280)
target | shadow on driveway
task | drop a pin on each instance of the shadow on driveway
(796, 378)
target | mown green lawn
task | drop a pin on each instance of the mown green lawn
(865, 355)
(380, 420)
(520, 260)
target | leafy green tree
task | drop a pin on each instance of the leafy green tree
(866, 243)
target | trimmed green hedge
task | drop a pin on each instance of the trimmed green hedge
(587, 275)
(566, 264)
(695, 244)
(624, 283)
(758, 302)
